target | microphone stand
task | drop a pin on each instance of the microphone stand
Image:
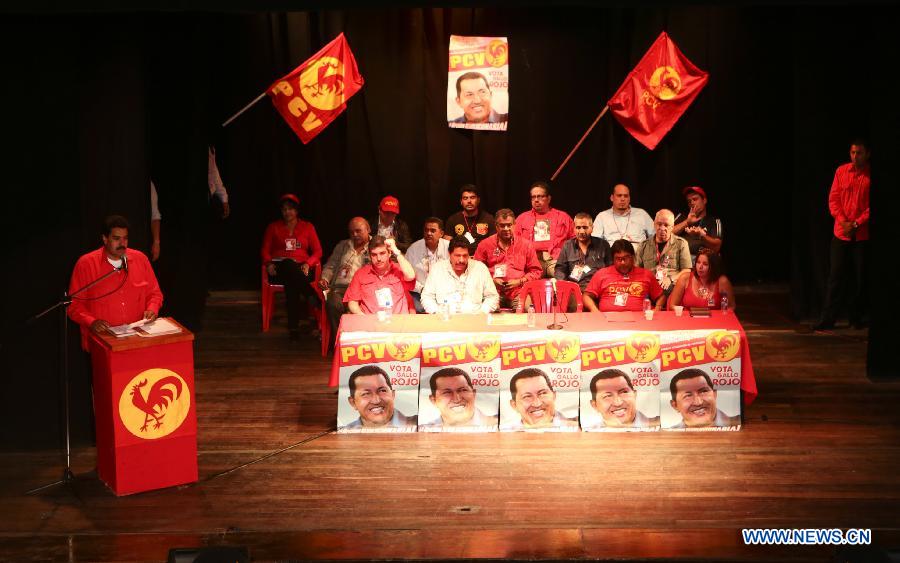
(555, 325)
(63, 305)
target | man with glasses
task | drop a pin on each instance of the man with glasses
(545, 227)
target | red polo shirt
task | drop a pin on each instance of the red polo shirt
(849, 200)
(301, 244)
(608, 282)
(560, 225)
(519, 258)
(366, 282)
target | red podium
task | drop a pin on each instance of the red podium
(145, 410)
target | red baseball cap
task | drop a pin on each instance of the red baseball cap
(290, 197)
(696, 189)
(390, 204)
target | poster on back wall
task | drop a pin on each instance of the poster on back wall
(379, 382)
(620, 370)
(478, 83)
(459, 390)
(539, 381)
(700, 380)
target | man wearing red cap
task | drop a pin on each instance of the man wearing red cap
(290, 250)
(702, 231)
(389, 225)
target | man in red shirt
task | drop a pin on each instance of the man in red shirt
(128, 293)
(848, 203)
(510, 259)
(382, 284)
(622, 286)
(545, 227)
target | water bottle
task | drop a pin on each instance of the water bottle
(724, 304)
(387, 314)
(445, 310)
(531, 316)
(647, 305)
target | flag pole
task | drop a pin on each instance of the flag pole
(248, 106)
(583, 137)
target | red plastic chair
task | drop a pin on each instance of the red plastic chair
(536, 289)
(267, 297)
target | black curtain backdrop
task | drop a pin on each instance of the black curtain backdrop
(97, 104)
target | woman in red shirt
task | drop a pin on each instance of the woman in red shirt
(703, 286)
(291, 251)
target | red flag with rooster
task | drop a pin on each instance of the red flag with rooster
(657, 92)
(316, 92)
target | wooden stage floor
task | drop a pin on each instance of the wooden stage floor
(820, 448)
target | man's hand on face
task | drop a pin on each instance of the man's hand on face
(392, 246)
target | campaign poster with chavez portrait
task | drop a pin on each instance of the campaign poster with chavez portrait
(459, 390)
(478, 83)
(700, 380)
(539, 381)
(620, 375)
(379, 382)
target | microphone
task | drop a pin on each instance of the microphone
(553, 283)
(124, 263)
(555, 305)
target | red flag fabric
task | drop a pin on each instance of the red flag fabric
(655, 94)
(314, 93)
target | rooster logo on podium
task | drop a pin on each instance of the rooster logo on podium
(154, 403)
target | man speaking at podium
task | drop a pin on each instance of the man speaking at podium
(128, 293)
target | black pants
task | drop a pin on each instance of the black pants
(848, 259)
(297, 291)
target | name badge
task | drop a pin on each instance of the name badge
(577, 272)
(290, 244)
(500, 271)
(660, 274)
(621, 299)
(469, 237)
(345, 272)
(542, 230)
(384, 297)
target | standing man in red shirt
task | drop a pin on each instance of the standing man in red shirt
(290, 252)
(547, 228)
(510, 259)
(381, 284)
(848, 203)
(622, 286)
(129, 292)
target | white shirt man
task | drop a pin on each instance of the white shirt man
(466, 285)
(426, 251)
(622, 221)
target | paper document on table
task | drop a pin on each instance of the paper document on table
(620, 316)
(126, 330)
(159, 327)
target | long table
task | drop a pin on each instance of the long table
(663, 321)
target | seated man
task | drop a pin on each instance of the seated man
(702, 231)
(112, 301)
(464, 285)
(622, 221)
(511, 260)
(615, 400)
(348, 256)
(545, 227)
(453, 395)
(534, 399)
(582, 257)
(382, 284)
(622, 286)
(372, 396)
(665, 254)
(389, 225)
(423, 253)
(473, 223)
(694, 397)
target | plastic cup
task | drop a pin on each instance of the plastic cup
(648, 314)
(679, 309)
